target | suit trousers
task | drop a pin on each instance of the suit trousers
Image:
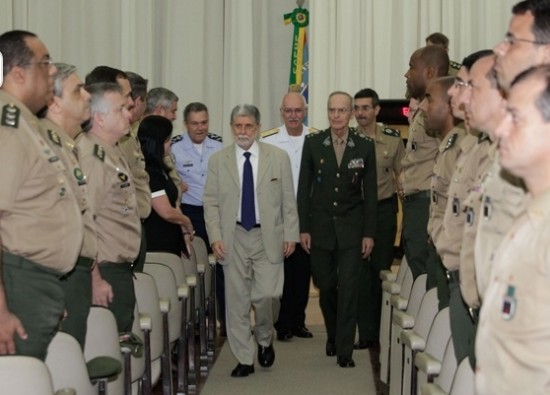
(415, 233)
(462, 325)
(336, 273)
(297, 268)
(370, 285)
(251, 280)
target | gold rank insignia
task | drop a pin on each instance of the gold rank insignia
(451, 141)
(122, 177)
(269, 132)
(10, 116)
(99, 152)
(54, 137)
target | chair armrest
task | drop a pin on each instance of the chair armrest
(387, 275)
(398, 302)
(145, 322)
(201, 267)
(183, 291)
(432, 389)
(413, 340)
(211, 260)
(164, 304)
(404, 320)
(427, 363)
(191, 281)
(391, 287)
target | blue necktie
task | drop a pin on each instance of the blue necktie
(248, 210)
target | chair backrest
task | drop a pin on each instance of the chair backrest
(439, 336)
(426, 314)
(21, 375)
(417, 294)
(174, 262)
(448, 368)
(402, 270)
(67, 366)
(102, 340)
(407, 284)
(463, 382)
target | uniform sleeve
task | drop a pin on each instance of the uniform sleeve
(157, 182)
(211, 201)
(399, 155)
(305, 182)
(290, 213)
(16, 164)
(370, 191)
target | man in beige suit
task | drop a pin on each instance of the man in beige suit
(252, 223)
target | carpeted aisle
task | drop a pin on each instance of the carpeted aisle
(301, 367)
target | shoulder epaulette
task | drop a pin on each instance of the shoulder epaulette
(311, 129)
(454, 65)
(451, 141)
(483, 137)
(10, 116)
(54, 137)
(216, 137)
(99, 152)
(270, 132)
(353, 129)
(391, 132)
(175, 139)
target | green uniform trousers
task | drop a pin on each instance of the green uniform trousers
(77, 286)
(336, 274)
(381, 258)
(416, 211)
(35, 296)
(121, 279)
(437, 277)
(462, 325)
(139, 263)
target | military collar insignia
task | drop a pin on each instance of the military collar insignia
(10, 116)
(351, 143)
(122, 177)
(99, 152)
(483, 137)
(451, 141)
(54, 137)
(326, 142)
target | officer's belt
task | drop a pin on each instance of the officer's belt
(417, 195)
(390, 200)
(191, 208)
(474, 314)
(85, 262)
(453, 276)
(27, 264)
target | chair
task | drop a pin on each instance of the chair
(22, 375)
(390, 289)
(443, 382)
(403, 319)
(428, 362)
(414, 340)
(463, 382)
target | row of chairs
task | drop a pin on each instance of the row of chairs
(174, 297)
(416, 350)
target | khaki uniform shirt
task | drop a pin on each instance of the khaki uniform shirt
(131, 147)
(479, 161)
(419, 160)
(513, 336)
(502, 195)
(450, 240)
(40, 218)
(449, 150)
(65, 147)
(113, 200)
(390, 150)
(171, 163)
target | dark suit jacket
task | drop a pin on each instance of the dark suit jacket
(337, 204)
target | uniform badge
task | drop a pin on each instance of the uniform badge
(79, 175)
(54, 137)
(435, 198)
(413, 146)
(99, 152)
(124, 178)
(509, 304)
(470, 216)
(357, 163)
(487, 207)
(456, 207)
(10, 116)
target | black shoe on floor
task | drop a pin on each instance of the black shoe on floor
(345, 362)
(266, 355)
(302, 332)
(284, 335)
(364, 344)
(330, 348)
(242, 370)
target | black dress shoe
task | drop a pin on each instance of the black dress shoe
(284, 335)
(266, 356)
(345, 362)
(242, 370)
(364, 344)
(330, 348)
(302, 332)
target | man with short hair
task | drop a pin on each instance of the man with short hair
(252, 223)
(513, 342)
(163, 102)
(337, 198)
(290, 137)
(138, 84)
(41, 223)
(113, 199)
(389, 152)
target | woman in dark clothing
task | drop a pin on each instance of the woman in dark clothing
(167, 228)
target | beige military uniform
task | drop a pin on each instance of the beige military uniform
(449, 150)
(66, 148)
(131, 147)
(171, 163)
(113, 199)
(513, 339)
(41, 218)
(479, 161)
(420, 153)
(390, 150)
(502, 195)
(463, 178)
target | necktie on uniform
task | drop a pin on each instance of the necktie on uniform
(248, 210)
(339, 147)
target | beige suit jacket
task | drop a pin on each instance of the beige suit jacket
(275, 195)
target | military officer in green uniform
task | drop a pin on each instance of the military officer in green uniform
(113, 200)
(41, 222)
(68, 109)
(389, 150)
(337, 198)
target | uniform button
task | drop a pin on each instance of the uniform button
(337, 175)
(335, 204)
(335, 189)
(335, 218)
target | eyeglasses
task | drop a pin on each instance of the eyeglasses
(290, 111)
(339, 111)
(461, 83)
(47, 62)
(510, 40)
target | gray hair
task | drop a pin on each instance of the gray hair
(245, 110)
(64, 71)
(159, 97)
(98, 104)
